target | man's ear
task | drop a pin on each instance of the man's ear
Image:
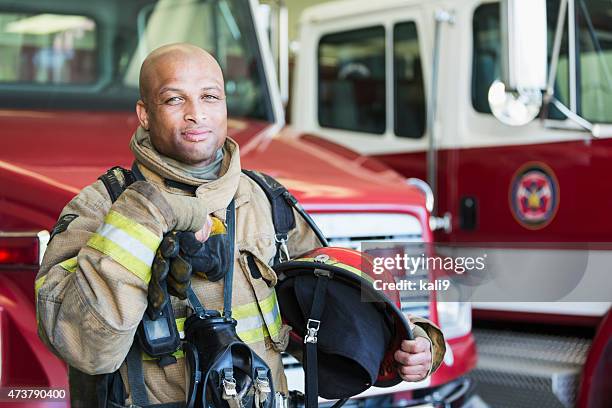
(143, 116)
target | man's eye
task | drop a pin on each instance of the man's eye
(174, 100)
(211, 97)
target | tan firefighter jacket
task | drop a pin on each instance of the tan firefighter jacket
(91, 290)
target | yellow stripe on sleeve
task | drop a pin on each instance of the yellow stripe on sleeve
(121, 256)
(133, 229)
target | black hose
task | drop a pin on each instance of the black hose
(298, 207)
(339, 403)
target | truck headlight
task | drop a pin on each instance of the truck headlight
(455, 318)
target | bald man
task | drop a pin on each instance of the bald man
(182, 104)
(96, 275)
(93, 284)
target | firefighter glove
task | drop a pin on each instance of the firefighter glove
(213, 259)
(179, 255)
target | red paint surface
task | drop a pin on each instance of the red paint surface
(527, 317)
(52, 158)
(582, 169)
(596, 381)
(465, 356)
(47, 157)
(25, 360)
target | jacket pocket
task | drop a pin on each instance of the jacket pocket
(262, 279)
(252, 261)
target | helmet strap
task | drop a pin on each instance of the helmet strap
(310, 339)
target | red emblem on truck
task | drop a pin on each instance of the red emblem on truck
(534, 195)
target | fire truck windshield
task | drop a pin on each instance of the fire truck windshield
(87, 55)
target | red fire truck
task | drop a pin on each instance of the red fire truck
(68, 85)
(449, 92)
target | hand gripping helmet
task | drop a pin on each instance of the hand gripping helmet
(329, 297)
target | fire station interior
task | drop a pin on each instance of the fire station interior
(464, 145)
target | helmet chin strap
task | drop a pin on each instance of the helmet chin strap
(310, 338)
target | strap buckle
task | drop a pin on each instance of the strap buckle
(229, 388)
(261, 382)
(262, 387)
(312, 329)
(281, 239)
(280, 400)
(229, 384)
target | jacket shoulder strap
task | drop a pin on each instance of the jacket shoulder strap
(116, 180)
(282, 209)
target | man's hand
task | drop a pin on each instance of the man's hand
(414, 359)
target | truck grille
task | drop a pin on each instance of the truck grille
(351, 230)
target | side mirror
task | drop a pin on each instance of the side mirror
(517, 98)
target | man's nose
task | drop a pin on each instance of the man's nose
(195, 112)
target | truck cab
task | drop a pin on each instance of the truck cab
(68, 86)
(505, 111)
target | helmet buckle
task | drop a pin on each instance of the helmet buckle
(312, 328)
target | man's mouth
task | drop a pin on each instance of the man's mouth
(195, 135)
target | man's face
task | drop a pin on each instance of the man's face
(184, 107)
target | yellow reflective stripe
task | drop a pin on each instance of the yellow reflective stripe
(38, 284)
(133, 229)
(122, 256)
(275, 327)
(262, 313)
(253, 308)
(253, 336)
(343, 266)
(180, 324)
(250, 310)
(69, 264)
(244, 311)
(260, 333)
(267, 305)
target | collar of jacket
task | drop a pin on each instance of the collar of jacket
(216, 193)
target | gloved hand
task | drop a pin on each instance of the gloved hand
(212, 260)
(178, 256)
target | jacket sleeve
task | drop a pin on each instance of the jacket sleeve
(92, 284)
(301, 238)
(426, 328)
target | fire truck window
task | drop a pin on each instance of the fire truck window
(595, 63)
(219, 27)
(487, 56)
(352, 80)
(409, 104)
(47, 49)
(86, 55)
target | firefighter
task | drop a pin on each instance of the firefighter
(95, 282)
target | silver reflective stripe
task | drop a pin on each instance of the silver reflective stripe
(127, 242)
(255, 322)
(272, 316)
